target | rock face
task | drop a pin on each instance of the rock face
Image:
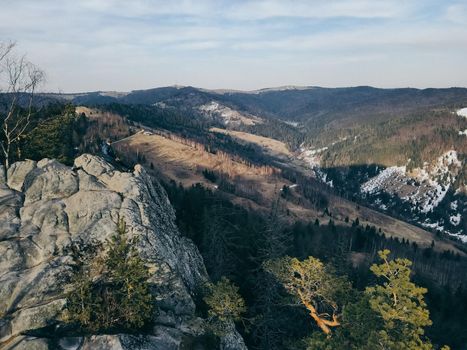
(46, 206)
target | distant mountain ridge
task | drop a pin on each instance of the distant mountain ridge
(315, 98)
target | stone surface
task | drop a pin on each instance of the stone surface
(27, 343)
(36, 317)
(232, 340)
(45, 206)
(164, 341)
(17, 173)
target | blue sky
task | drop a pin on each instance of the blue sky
(123, 45)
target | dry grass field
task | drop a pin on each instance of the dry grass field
(273, 147)
(184, 163)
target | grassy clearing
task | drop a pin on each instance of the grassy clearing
(271, 146)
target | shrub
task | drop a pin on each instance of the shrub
(226, 305)
(119, 296)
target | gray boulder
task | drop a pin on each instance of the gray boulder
(45, 207)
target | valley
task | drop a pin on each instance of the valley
(183, 160)
(233, 175)
(387, 140)
(242, 186)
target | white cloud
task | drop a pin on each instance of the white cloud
(262, 9)
(122, 44)
(456, 13)
(408, 37)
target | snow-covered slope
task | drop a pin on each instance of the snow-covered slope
(393, 177)
(423, 190)
(227, 115)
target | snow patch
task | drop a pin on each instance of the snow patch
(228, 115)
(380, 204)
(160, 104)
(462, 112)
(294, 124)
(377, 183)
(460, 236)
(311, 156)
(435, 197)
(435, 226)
(455, 219)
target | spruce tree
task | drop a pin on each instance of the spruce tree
(118, 296)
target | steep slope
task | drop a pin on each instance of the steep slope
(424, 190)
(347, 135)
(257, 187)
(45, 207)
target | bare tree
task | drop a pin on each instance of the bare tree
(19, 80)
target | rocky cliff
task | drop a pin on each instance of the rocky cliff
(45, 207)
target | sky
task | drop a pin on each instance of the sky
(123, 45)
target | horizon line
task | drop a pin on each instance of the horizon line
(264, 89)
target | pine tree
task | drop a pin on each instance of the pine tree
(388, 316)
(119, 296)
(217, 242)
(127, 278)
(314, 286)
(225, 306)
(400, 303)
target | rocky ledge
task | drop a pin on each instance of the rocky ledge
(45, 207)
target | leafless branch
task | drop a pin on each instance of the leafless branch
(19, 80)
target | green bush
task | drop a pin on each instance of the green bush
(226, 305)
(112, 293)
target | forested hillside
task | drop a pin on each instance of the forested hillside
(233, 175)
(262, 209)
(236, 243)
(347, 136)
(235, 240)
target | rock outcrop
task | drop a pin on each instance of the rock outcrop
(45, 207)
